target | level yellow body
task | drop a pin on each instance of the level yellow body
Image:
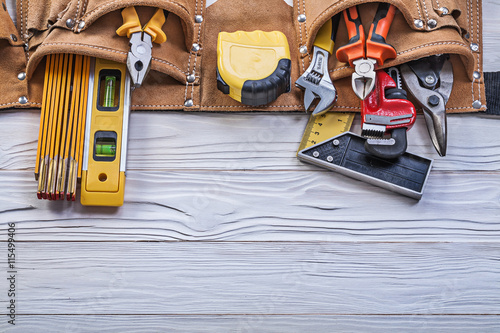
(103, 176)
(249, 56)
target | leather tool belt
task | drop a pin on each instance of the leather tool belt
(420, 28)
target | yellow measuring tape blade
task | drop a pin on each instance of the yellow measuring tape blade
(322, 127)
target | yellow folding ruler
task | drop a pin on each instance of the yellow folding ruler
(62, 121)
(323, 127)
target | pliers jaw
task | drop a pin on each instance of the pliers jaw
(139, 57)
(363, 78)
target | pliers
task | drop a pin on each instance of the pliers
(141, 41)
(316, 81)
(365, 55)
(430, 81)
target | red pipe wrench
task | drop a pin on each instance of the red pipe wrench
(386, 115)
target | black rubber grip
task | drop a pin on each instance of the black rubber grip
(492, 85)
(264, 91)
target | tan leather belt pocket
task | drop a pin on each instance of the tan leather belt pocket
(89, 28)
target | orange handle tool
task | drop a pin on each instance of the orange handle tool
(355, 48)
(376, 45)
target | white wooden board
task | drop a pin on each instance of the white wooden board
(257, 278)
(224, 230)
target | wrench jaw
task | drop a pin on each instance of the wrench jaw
(389, 148)
(386, 116)
(317, 84)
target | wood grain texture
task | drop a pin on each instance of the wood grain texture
(224, 230)
(205, 278)
(270, 206)
(227, 142)
(491, 29)
(255, 323)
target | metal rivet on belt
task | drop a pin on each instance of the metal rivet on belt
(443, 11)
(477, 104)
(474, 47)
(81, 25)
(419, 24)
(23, 100)
(303, 49)
(188, 103)
(336, 142)
(70, 23)
(21, 76)
(476, 75)
(316, 154)
(301, 18)
(196, 47)
(13, 37)
(190, 78)
(329, 158)
(198, 18)
(432, 23)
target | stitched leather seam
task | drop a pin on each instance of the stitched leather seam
(84, 9)
(471, 33)
(437, 4)
(109, 4)
(425, 9)
(300, 34)
(304, 9)
(189, 59)
(433, 44)
(479, 41)
(77, 10)
(21, 17)
(109, 50)
(198, 41)
(152, 105)
(9, 104)
(25, 37)
(249, 106)
(419, 12)
(168, 64)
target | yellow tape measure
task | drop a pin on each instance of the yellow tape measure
(323, 127)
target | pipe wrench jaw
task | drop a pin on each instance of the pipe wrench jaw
(317, 84)
(385, 118)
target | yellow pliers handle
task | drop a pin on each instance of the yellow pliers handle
(132, 24)
(325, 38)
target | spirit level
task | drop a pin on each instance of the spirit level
(106, 131)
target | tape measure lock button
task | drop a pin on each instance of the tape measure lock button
(253, 67)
